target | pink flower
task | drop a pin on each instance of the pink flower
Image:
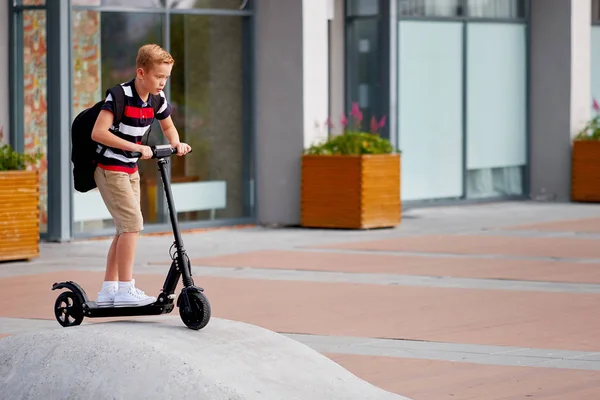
(374, 125)
(596, 106)
(382, 122)
(344, 120)
(355, 110)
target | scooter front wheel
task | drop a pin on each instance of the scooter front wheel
(197, 313)
(68, 310)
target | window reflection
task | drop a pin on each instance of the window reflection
(206, 91)
(207, 94)
(97, 65)
(362, 8)
(35, 128)
(496, 8)
(121, 3)
(595, 10)
(513, 9)
(433, 8)
(223, 4)
(31, 2)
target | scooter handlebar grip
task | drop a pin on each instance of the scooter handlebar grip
(155, 152)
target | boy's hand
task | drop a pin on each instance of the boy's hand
(183, 148)
(146, 152)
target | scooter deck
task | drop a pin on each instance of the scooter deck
(92, 310)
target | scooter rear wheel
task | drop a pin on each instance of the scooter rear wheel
(68, 310)
(198, 314)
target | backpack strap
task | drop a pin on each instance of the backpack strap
(118, 95)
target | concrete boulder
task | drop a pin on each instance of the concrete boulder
(162, 359)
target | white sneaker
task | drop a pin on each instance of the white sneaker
(132, 297)
(106, 297)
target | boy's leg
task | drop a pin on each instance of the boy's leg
(126, 255)
(130, 225)
(112, 266)
(106, 297)
(110, 285)
(121, 195)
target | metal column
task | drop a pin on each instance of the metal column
(58, 30)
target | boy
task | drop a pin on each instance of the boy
(117, 175)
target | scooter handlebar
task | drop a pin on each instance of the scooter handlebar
(160, 151)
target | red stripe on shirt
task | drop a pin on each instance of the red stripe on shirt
(118, 168)
(136, 112)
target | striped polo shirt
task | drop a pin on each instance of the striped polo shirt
(137, 118)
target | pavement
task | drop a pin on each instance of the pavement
(485, 301)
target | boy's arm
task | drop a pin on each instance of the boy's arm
(102, 135)
(170, 132)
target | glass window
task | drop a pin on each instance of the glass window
(97, 65)
(207, 92)
(31, 2)
(131, 31)
(430, 8)
(596, 10)
(362, 8)
(226, 4)
(513, 9)
(35, 128)
(594, 67)
(430, 83)
(496, 109)
(121, 3)
(362, 76)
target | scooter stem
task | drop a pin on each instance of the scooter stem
(181, 254)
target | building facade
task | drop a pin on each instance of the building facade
(481, 96)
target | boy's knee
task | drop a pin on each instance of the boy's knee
(131, 222)
(127, 232)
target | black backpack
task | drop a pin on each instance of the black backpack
(83, 148)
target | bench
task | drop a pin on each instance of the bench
(188, 196)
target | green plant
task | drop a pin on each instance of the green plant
(591, 131)
(353, 141)
(11, 160)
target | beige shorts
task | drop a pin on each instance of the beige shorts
(121, 194)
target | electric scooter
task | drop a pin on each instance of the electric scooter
(72, 306)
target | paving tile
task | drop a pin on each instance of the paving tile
(394, 280)
(483, 244)
(580, 225)
(489, 268)
(487, 317)
(30, 296)
(571, 364)
(442, 380)
(507, 358)
(499, 355)
(589, 357)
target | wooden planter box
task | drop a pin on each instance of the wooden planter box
(19, 215)
(352, 192)
(585, 171)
